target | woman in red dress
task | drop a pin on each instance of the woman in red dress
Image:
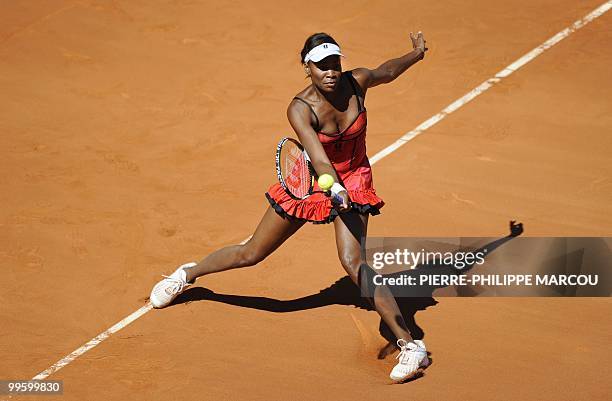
(329, 118)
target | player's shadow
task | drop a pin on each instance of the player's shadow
(404, 297)
(345, 292)
(342, 292)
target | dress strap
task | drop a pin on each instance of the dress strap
(350, 77)
(311, 109)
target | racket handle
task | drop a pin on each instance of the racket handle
(335, 198)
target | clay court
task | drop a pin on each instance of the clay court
(139, 135)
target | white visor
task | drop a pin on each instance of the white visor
(318, 53)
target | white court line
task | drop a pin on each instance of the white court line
(378, 156)
(92, 343)
(98, 339)
(491, 81)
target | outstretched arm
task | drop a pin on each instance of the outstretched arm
(389, 70)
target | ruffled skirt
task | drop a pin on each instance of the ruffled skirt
(318, 208)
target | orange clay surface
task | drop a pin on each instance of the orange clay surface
(138, 135)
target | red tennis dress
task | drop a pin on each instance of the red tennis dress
(346, 151)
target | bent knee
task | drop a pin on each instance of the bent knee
(351, 264)
(249, 256)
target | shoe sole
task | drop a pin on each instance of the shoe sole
(417, 373)
(171, 301)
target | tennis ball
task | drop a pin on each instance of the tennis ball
(325, 182)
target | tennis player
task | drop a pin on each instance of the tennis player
(329, 118)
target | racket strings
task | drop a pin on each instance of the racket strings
(295, 173)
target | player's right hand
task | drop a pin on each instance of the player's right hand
(346, 202)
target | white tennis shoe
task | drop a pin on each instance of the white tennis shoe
(170, 287)
(412, 360)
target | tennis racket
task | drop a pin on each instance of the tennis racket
(295, 172)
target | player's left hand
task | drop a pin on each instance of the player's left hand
(418, 41)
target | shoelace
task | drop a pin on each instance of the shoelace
(176, 286)
(406, 349)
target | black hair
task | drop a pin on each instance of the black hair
(315, 40)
